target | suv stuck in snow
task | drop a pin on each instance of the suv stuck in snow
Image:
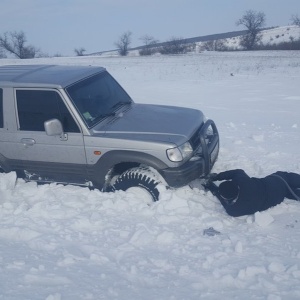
(76, 125)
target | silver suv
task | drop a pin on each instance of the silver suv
(77, 125)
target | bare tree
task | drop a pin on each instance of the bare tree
(295, 20)
(149, 43)
(254, 22)
(14, 43)
(2, 54)
(79, 51)
(123, 43)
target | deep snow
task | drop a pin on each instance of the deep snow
(69, 242)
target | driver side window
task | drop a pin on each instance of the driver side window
(37, 106)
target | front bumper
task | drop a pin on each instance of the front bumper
(201, 163)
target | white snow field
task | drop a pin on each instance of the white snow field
(64, 242)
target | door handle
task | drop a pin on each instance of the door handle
(28, 142)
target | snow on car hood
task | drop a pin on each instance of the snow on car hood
(153, 122)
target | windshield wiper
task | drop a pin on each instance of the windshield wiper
(114, 108)
(120, 103)
(103, 116)
(110, 114)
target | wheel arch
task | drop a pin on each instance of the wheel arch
(119, 161)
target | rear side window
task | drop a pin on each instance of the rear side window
(37, 106)
(1, 108)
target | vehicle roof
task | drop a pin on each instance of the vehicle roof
(59, 76)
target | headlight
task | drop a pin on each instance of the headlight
(180, 153)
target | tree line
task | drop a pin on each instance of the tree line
(15, 42)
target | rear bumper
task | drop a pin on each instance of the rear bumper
(201, 163)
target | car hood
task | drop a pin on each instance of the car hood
(152, 122)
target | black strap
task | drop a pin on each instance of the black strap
(290, 189)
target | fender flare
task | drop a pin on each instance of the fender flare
(98, 171)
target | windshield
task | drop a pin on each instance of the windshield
(97, 97)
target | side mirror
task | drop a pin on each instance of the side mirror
(54, 127)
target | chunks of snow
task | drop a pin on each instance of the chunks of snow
(263, 219)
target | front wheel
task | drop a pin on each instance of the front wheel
(140, 181)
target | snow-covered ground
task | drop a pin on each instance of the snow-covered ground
(64, 242)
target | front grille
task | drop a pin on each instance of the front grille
(205, 143)
(195, 139)
(208, 136)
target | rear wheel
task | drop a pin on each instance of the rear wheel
(140, 181)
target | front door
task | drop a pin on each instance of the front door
(48, 158)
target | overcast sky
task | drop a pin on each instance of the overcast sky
(60, 26)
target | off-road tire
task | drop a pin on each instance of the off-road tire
(137, 177)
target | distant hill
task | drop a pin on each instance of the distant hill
(205, 38)
(270, 36)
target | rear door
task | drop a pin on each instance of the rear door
(44, 157)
